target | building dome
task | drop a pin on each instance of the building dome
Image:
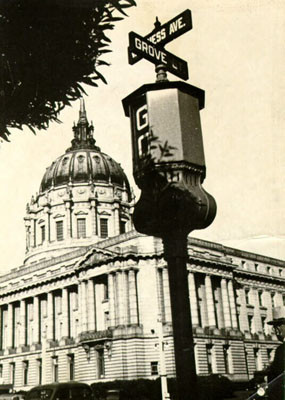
(82, 166)
(84, 197)
(83, 162)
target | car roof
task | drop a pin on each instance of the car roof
(61, 385)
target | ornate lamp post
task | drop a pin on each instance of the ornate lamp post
(169, 168)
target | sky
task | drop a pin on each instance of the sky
(235, 52)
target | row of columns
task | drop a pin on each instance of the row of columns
(31, 222)
(123, 298)
(50, 315)
(109, 301)
(208, 304)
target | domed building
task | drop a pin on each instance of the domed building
(92, 294)
(84, 197)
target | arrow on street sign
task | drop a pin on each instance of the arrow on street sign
(165, 33)
(158, 55)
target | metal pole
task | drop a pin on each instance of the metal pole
(175, 252)
(163, 376)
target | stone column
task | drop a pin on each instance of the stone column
(91, 306)
(36, 320)
(232, 304)
(68, 219)
(193, 299)
(167, 306)
(48, 228)
(116, 219)
(125, 302)
(33, 232)
(65, 319)
(10, 326)
(210, 302)
(98, 304)
(83, 301)
(79, 295)
(133, 297)
(28, 232)
(120, 302)
(112, 299)
(50, 316)
(23, 327)
(226, 304)
(93, 217)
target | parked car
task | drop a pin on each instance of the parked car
(273, 390)
(12, 396)
(61, 391)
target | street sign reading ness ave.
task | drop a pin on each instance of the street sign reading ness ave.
(151, 47)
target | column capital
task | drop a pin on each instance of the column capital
(92, 201)
(67, 203)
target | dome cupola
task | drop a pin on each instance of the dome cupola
(83, 161)
(84, 197)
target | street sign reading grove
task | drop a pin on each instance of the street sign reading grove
(151, 47)
(158, 55)
(167, 32)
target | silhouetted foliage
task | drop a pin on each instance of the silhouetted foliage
(48, 49)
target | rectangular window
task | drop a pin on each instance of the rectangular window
(257, 360)
(43, 233)
(105, 291)
(250, 323)
(40, 371)
(103, 227)
(247, 296)
(106, 319)
(1, 371)
(25, 372)
(122, 226)
(270, 354)
(12, 373)
(59, 230)
(272, 300)
(263, 324)
(154, 367)
(71, 366)
(260, 299)
(55, 368)
(209, 359)
(226, 358)
(81, 228)
(100, 364)
(57, 303)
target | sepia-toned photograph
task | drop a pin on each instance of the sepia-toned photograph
(142, 238)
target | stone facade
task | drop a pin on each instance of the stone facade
(91, 314)
(86, 302)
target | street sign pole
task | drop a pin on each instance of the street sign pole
(169, 168)
(175, 253)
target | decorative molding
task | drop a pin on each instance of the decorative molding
(81, 191)
(81, 213)
(103, 213)
(59, 216)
